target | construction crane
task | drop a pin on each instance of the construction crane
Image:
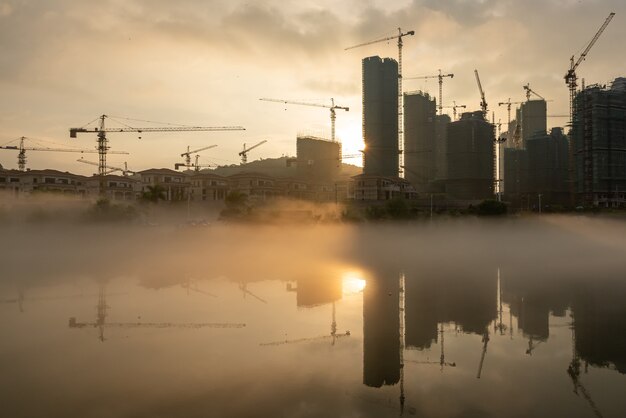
(244, 290)
(483, 102)
(187, 155)
(570, 77)
(530, 91)
(110, 169)
(21, 148)
(103, 148)
(333, 107)
(399, 37)
(571, 80)
(454, 107)
(244, 154)
(101, 323)
(440, 77)
(508, 109)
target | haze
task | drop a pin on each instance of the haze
(63, 63)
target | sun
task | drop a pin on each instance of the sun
(353, 282)
(351, 142)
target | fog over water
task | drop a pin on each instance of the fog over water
(458, 318)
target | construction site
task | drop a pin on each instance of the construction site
(412, 150)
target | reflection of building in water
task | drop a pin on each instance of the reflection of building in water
(600, 327)
(315, 291)
(381, 330)
(421, 312)
(467, 298)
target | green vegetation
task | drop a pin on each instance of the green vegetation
(490, 208)
(236, 206)
(104, 211)
(154, 194)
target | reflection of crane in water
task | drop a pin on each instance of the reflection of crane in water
(244, 289)
(19, 300)
(573, 371)
(193, 285)
(333, 336)
(442, 355)
(101, 323)
(484, 352)
(499, 326)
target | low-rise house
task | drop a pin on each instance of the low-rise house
(371, 187)
(208, 187)
(32, 181)
(257, 186)
(175, 184)
(117, 188)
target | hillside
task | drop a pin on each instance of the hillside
(276, 167)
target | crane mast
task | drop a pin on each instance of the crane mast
(571, 79)
(440, 77)
(333, 107)
(483, 102)
(530, 91)
(244, 154)
(21, 148)
(103, 147)
(399, 37)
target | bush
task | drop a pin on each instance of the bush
(490, 208)
(104, 211)
(398, 208)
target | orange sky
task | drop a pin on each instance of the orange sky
(63, 63)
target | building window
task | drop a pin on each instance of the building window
(167, 179)
(3, 179)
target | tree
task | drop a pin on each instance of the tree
(154, 193)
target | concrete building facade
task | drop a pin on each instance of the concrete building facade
(318, 159)
(380, 116)
(420, 140)
(599, 140)
(470, 157)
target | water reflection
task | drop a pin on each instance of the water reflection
(424, 324)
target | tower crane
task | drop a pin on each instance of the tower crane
(530, 91)
(439, 76)
(399, 37)
(103, 148)
(101, 323)
(21, 148)
(187, 155)
(110, 169)
(454, 107)
(508, 109)
(333, 107)
(244, 154)
(483, 102)
(571, 80)
(570, 77)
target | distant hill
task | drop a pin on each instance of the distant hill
(276, 167)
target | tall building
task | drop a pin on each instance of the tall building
(318, 159)
(470, 157)
(532, 118)
(380, 116)
(599, 140)
(441, 159)
(548, 166)
(420, 141)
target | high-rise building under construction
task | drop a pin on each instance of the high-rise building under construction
(380, 116)
(532, 118)
(470, 156)
(420, 141)
(599, 140)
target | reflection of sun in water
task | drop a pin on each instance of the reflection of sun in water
(353, 282)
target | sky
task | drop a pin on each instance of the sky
(206, 63)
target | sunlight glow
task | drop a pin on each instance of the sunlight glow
(353, 283)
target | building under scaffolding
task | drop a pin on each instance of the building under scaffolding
(318, 159)
(599, 140)
(380, 116)
(470, 157)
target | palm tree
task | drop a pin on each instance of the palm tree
(154, 193)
